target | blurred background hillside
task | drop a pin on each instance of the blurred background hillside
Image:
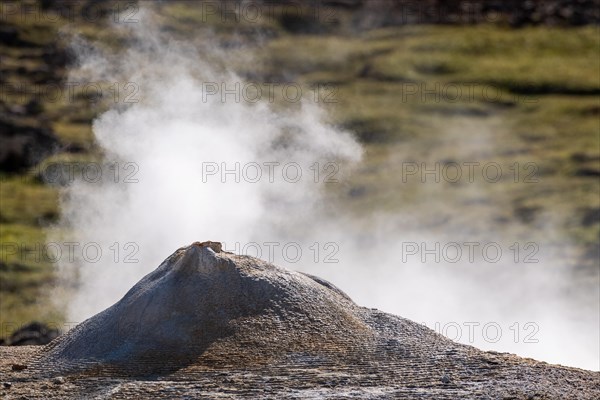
(438, 82)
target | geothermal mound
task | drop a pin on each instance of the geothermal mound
(211, 323)
(205, 306)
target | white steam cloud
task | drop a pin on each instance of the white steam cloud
(192, 166)
(167, 145)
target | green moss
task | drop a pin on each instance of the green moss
(24, 201)
(533, 60)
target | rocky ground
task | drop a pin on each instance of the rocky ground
(210, 323)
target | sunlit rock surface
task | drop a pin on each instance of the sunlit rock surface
(211, 323)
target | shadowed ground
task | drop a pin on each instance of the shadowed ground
(210, 323)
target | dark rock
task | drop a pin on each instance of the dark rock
(304, 24)
(527, 214)
(7, 385)
(18, 367)
(34, 107)
(59, 380)
(34, 333)
(590, 217)
(49, 4)
(584, 157)
(373, 14)
(587, 172)
(55, 56)
(9, 35)
(23, 146)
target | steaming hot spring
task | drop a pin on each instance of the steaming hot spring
(209, 322)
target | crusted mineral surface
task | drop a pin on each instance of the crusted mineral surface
(211, 323)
